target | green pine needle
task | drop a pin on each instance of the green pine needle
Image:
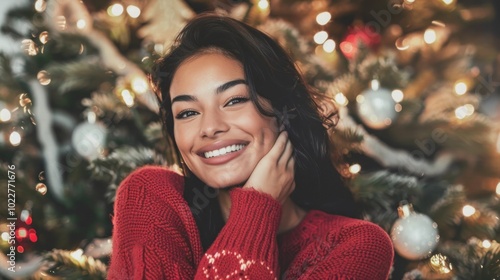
(81, 75)
(114, 168)
(63, 264)
(472, 260)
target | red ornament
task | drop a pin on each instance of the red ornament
(360, 34)
(26, 235)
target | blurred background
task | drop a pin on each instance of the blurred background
(416, 83)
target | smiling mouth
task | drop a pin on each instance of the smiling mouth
(223, 151)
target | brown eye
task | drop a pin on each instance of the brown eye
(236, 100)
(185, 114)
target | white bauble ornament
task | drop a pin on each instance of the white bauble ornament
(88, 139)
(376, 108)
(414, 235)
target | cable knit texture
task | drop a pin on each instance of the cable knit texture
(155, 237)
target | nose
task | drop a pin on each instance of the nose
(212, 124)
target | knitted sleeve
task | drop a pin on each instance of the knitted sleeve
(361, 250)
(246, 247)
(155, 236)
(151, 238)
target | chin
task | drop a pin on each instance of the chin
(223, 183)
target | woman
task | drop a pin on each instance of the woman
(260, 198)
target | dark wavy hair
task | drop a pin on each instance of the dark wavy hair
(270, 73)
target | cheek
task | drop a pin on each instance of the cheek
(182, 139)
(265, 130)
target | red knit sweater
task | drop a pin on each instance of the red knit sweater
(155, 237)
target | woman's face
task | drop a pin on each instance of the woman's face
(219, 132)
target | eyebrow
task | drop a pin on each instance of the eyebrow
(218, 90)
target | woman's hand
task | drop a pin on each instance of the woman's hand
(274, 174)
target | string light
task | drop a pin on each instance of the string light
(43, 77)
(398, 107)
(440, 264)
(263, 4)
(15, 138)
(5, 115)
(402, 44)
(469, 109)
(329, 46)
(127, 97)
(5, 236)
(397, 95)
(468, 210)
(347, 48)
(498, 189)
(323, 18)
(40, 5)
(81, 23)
(430, 36)
(320, 37)
(461, 88)
(448, 2)
(341, 99)
(133, 11)
(77, 254)
(24, 100)
(438, 23)
(91, 117)
(115, 10)
(22, 232)
(44, 37)
(41, 188)
(464, 111)
(158, 48)
(375, 84)
(486, 244)
(29, 47)
(32, 235)
(61, 22)
(355, 168)
(139, 85)
(360, 98)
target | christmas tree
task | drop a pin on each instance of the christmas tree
(415, 81)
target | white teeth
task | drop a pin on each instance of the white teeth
(223, 151)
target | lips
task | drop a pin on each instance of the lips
(221, 151)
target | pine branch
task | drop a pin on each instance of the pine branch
(380, 192)
(154, 132)
(312, 67)
(7, 79)
(63, 264)
(106, 105)
(489, 265)
(472, 260)
(15, 15)
(83, 75)
(114, 168)
(365, 68)
(383, 67)
(346, 139)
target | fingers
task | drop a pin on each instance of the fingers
(286, 156)
(274, 173)
(279, 147)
